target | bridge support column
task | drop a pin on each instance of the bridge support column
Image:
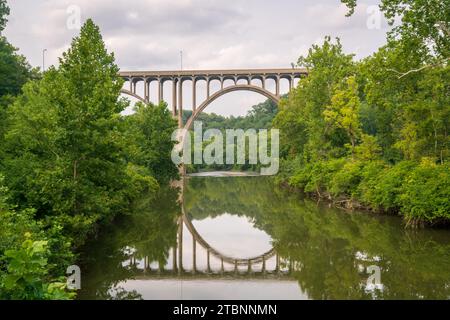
(146, 91)
(263, 80)
(249, 269)
(194, 95)
(194, 255)
(180, 246)
(174, 259)
(264, 265)
(208, 88)
(277, 268)
(174, 97)
(277, 86)
(160, 91)
(208, 261)
(222, 268)
(236, 270)
(131, 84)
(180, 103)
(221, 83)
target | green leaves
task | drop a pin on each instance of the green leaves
(343, 112)
(26, 276)
(424, 21)
(4, 12)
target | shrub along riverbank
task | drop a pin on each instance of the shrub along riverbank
(417, 191)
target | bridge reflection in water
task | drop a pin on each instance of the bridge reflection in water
(267, 265)
(219, 246)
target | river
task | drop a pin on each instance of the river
(243, 237)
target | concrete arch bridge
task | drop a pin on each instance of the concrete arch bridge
(254, 80)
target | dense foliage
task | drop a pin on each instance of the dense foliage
(259, 116)
(70, 161)
(374, 133)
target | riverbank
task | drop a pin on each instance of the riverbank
(418, 192)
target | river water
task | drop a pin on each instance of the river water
(243, 237)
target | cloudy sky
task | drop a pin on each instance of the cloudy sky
(149, 34)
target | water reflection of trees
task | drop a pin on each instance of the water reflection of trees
(151, 231)
(329, 248)
(326, 245)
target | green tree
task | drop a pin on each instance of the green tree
(4, 12)
(344, 110)
(423, 21)
(304, 130)
(148, 137)
(64, 145)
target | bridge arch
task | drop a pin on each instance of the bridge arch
(134, 95)
(226, 90)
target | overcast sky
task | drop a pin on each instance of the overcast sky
(149, 34)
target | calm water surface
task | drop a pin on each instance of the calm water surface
(245, 238)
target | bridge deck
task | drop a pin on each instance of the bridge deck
(210, 73)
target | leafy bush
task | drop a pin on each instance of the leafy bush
(381, 185)
(425, 194)
(26, 275)
(346, 180)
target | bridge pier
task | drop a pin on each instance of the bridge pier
(180, 103)
(180, 246)
(174, 97)
(194, 94)
(208, 262)
(174, 259)
(263, 269)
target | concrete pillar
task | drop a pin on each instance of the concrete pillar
(174, 97)
(249, 269)
(264, 265)
(180, 246)
(292, 83)
(194, 94)
(277, 85)
(208, 90)
(277, 267)
(208, 261)
(236, 270)
(174, 259)
(222, 269)
(146, 91)
(160, 95)
(180, 103)
(131, 84)
(221, 83)
(263, 80)
(194, 255)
